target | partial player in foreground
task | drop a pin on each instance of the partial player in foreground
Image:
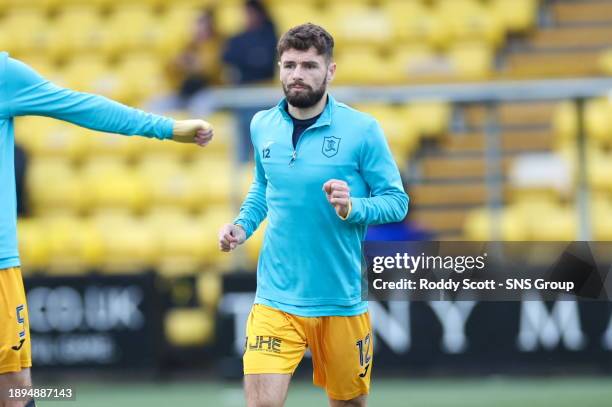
(323, 173)
(25, 92)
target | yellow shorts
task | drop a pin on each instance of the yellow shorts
(15, 353)
(341, 348)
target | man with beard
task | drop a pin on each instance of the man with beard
(323, 173)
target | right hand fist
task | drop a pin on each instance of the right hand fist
(230, 236)
(199, 132)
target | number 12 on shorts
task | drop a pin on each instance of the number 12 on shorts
(364, 346)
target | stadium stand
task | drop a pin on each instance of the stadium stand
(108, 202)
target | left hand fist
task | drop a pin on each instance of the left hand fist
(199, 132)
(338, 195)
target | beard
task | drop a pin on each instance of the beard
(307, 97)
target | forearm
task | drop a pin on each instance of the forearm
(379, 209)
(254, 209)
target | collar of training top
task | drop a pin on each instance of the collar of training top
(324, 119)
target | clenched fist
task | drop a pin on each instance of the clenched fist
(338, 195)
(192, 131)
(231, 236)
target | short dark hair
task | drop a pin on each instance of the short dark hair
(305, 36)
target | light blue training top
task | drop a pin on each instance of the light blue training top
(310, 262)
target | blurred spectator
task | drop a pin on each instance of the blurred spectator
(21, 163)
(250, 58)
(191, 72)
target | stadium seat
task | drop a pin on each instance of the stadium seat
(90, 73)
(114, 185)
(75, 245)
(230, 18)
(75, 30)
(598, 121)
(216, 179)
(140, 76)
(174, 29)
(482, 224)
(565, 123)
(287, 15)
(129, 244)
(362, 65)
(51, 138)
(374, 26)
(23, 30)
(209, 289)
(131, 28)
(468, 20)
(112, 145)
(412, 63)
(517, 16)
(601, 219)
(605, 62)
(428, 118)
(182, 251)
(34, 251)
(415, 23)
(471, 60)
(54, 186)
(171, 184)
(188, 327)
(599, 166)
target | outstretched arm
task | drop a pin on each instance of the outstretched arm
(28, 93)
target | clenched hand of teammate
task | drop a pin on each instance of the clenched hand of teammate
(230, 236)
(199, 132)
(338, 195)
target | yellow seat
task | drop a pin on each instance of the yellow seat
(209, 289)
(113, 145)
(75, 245)
(482, 224)
(183, 251)
(516, 15)
(230, 18)
(174, 29)
(131, 28)
(414, 22)
(188, 327)
(362, 65)
(114, 185)
(287, 15)
(34, 251)
(471, 60)
(605, 62)
(77, 29)
(599, 166)
(565, 123)
(55, 139)
(374, 25)
(415, 62)
(598, 121)
(23, 30)
(129, 244)
(171, 184)
(89, 73)
(428, 118)
(54, 186)
(557, 225)
(217, 181)
(468, 20)
(224, 139)
(140, 76)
